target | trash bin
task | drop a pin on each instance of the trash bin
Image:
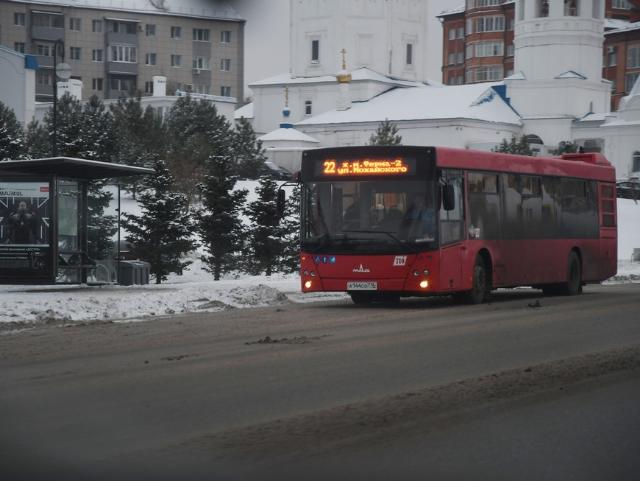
(133, 273)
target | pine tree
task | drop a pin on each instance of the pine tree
(265, 233)
(11, 135)
(37, 141)
(566, 147)
(162, 234)
(248, 151)
(514, 146)
(193, 129)
(97, 139)
(387, 134)
(289, 261)
(69, 126)
(218, 220)
(141, 138)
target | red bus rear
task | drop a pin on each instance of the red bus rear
(385, 222)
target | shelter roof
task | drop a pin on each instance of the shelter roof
(72, 168)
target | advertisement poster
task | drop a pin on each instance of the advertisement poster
(25, 214)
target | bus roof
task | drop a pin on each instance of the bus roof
(588, 165)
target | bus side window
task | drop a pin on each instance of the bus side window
(451, 221)
(484, 205)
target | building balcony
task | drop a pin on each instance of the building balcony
(45, 61)
(121, 38)
(122, 68)
(50, 34)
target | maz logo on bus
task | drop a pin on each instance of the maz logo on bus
(365, 167)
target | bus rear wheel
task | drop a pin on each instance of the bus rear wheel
(573, 285)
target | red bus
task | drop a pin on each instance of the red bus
(382, 223)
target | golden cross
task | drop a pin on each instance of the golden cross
(344, 59)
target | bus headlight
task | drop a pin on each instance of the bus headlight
(424, 284)
(307, 285)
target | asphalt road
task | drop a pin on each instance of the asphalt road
(427, 390)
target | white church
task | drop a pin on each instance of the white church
(354, 64)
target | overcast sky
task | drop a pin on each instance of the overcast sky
(267, 46)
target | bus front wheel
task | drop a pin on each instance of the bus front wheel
(479, 292)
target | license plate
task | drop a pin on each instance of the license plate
(362, 286)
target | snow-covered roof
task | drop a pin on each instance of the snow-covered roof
(519, 75)
(211, 9)
(360, 74)
(623, 27)
(462, 8)
(245, 111)
(571, 74)
(612, 23)
(475, 102)
(452, 11)
(287, 134)
(594, 117)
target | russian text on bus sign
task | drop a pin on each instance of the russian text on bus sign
(365, 167)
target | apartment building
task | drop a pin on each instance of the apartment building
(116, 48)
(478, 42)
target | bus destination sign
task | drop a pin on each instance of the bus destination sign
(367, 167)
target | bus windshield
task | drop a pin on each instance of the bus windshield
(377, 216)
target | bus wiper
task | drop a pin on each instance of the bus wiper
(390, 234)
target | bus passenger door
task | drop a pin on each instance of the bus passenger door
(452, 248)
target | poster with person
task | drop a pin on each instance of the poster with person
(25, 213)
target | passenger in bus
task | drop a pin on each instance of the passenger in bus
(419, 221)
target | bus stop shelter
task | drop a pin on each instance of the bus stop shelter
(43, 218)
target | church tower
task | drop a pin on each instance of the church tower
(558, 65)
(389, 37)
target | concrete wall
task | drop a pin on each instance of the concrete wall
(17, 85)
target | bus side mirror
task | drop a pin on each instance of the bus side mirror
(280, 204)
(448, 197)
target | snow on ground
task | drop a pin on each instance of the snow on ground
(195, 291)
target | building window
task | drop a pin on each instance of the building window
(308, 107)
(510, 24)
(469, 27)
(150, 59)
(176, 32)
(490, 24)
(44, 77)
(19, 47)
(96, 26)
(460, 32)
(225, 64)
(201, 63)
(201, 35)
(484, 74)
(452, 34)
(636, 161)
(75, 53)
(123, 54)
(520, 8)
(612, 56)
(451, 58)
(122, 84)
(225, 36)
(123, 27)
(19, 19)
(633, 57)
(44, 49)
(96, 55)
(510, 50)
(225, 91)
(409, 58)
(96, 84)
(75, 23)
(470, 50)
(150, 30)
(489, 49)
(459, 58)
(315, 51)
(176, 60)
(148, 87)
(570, 8)
(630, 81)
(543, 8)
(47, 20)
(201, 89)
(621, 4)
